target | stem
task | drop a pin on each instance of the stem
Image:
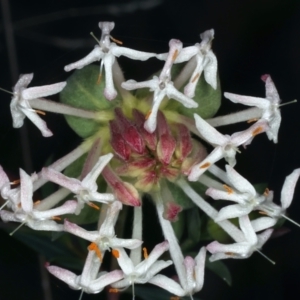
(169, 235)
(241, 116)
(218, 172)
(226, 225)
(137, 233)
(209, 182)
(185, 73)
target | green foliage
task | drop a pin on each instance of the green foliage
(220, 269)
(82, 91)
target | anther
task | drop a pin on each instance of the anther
(115, 253)
(252, 120)
(175, 55)
(17, 181)
(206, 165)
(116, 41)
(94, 247)
(195, 77)
(148, 114)
(228, 189)
(40, 112)
(266, 192)
(56, 218)
(257, 131)
(145, 253)
(113, 291)
(91, 204)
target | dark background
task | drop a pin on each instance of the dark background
(251, 38)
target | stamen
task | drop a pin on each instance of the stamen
(257, 131)
(115, 253)
(56, 218)
(252, 120)
(6, 91)
(228, 189)
(116, 41)
(145, 253)
(5, 203)
(175, 55)
(266, 192)
(289, 219)
(40, 112)
(290, 102)
(17, 228)
(91, 204)
(263, 213)
(92, 34)
(266, 257)
(94, 247)
(36, 202)
(195, 77)
(229, 253)
(17, 181)
(81, 294)
(206, 165)
(99, 78)
(113, 290)
(148, 114)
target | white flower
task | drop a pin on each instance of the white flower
(275, 211)
(269, 106)
(105, 238)
(162, 87)
(244, 194)
(85, 190)
(33, 218)
(240, 250)
(20, 103)
(144, 271)
(106, 52)
(225, 146)
(90, 281)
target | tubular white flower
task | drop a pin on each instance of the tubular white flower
(20, 103)
(107, 51)
(240, 250)
(225, 146)
(27, 214)
(269, 106)
(162, 87)
(85, 190)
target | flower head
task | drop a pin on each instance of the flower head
(20, 103)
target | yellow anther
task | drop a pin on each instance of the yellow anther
(175, 55)
(94, 247)
(228, 189)
(195, 77)
(145, 253)
(266, 192)
(206, 165)
(115, 253)
(40, 112)
(116, 41)
(252, 120)
(148, 114)
(99, 78)
(91, 204)
(257, 131)
(56, 218)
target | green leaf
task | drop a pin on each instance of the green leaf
(82, 91)
(220, 269)
(178, 226)
(179, 196)
(194, 225)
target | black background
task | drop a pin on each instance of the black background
(251, 38)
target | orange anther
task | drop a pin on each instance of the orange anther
(145, 253)
(17, 181)
(56, 218)
(116, 41)
(94, 247)
(99, 78)
(113, 291)
(174, 298)
(229, 253)
(195, 77)
(257, 131)
(93, 205)
(115, 253)
(228, 189)
(206, 165)
(266, 192)
(40, 112)
(148, 114)
(252, 120)
(263, 213)
(37, 202)
(175, 55)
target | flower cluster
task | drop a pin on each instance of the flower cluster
(146, 144)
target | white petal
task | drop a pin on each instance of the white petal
(43, 91)
(64, 275)
(130, 53)
(199, 269)
(26, 191)
(110, 92)
(288, 188)
(233, 211)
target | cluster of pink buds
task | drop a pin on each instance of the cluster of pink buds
(146, 145)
